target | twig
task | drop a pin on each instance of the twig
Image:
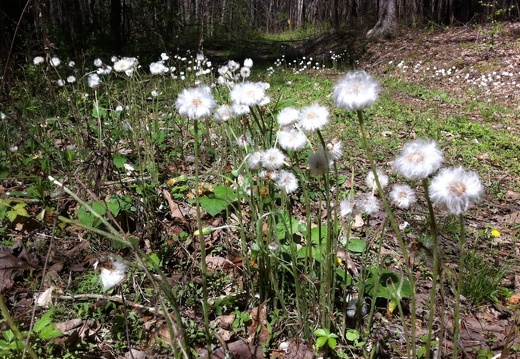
(111, 298)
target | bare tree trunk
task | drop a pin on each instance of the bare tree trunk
(387, 22)
(115, 23)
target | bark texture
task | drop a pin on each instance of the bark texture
(387, 20)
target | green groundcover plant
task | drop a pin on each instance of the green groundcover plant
(268, 165)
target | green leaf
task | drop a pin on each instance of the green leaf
(19, 205)
(114, 205)
(225, 192)
(352, 335)
(332, 342)
(119, 161)
(213, 205)
(321, 341)
(284, 222)
(21, 212)
(320, 333)
(50, 332)
(12, 215)
(356, 245)
(98, 111)
(390, 285)
(44, 321)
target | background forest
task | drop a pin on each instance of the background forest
(144, 27)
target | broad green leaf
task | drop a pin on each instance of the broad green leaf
(356, 245)
(320, 341)
(50, 332)
(119, 161)
(352, 335)
(99, 207)
(390, 285)
(320, 332)
(22, 212)
(19, 205)
(213, 205)
(224, 192)
(284, 222)
(98, 111)
(44, 321)
(114, 206)
(12, 215)
(332, 342)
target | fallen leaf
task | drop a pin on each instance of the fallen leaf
(10, 266)
(215, 262)
(175, 211)
(225, 321)
(69, 325)
(224, 334)
(512, 195)
(358, 221)
(258, 328)
(135, 354)
(298, 351)
(44, 298)
(515, 299)
(239, 350)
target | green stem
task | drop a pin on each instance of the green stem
(14, 327)
(436, 267)
(329, 260)
(456, 314)
(205, 305)
(393, 224)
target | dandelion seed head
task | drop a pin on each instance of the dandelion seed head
(38, 60)
(369, 203)
(248, 63)
(349, 208)
(287, 181)
(334, 150)
(245, 72)
(93, 80)
(371, 182)
(158, 68)
(195, 103)
(273, 159)
(403, 196)
(419, 159)
(313, 118)
(254, 160)
(454, 189)
(318, 163)
(125, 64)
(111, 277)
(292, 140)
(356, 90)
(55, 61)
(247, 93)
(288, 116)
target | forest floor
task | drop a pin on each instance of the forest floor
(471, 65)
(442, 72)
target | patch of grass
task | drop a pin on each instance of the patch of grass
(481, 279)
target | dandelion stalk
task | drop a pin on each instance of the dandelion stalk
(436, 266)
(392, 220)
(456, 312)
(205, 305)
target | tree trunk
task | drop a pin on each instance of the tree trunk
(115, 23)
(387, 21)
